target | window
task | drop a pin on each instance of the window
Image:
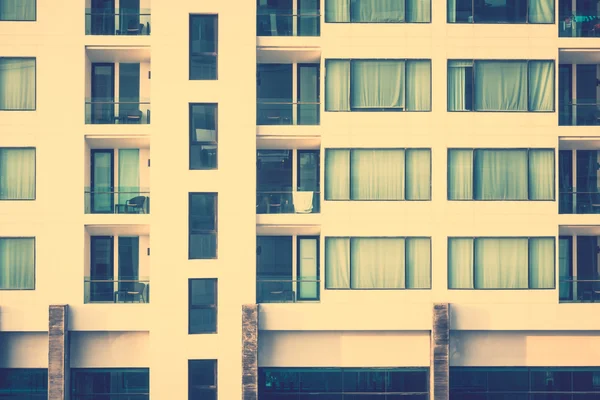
(17, 10)
(203, 47)
(17, 84)
(105, 383)
(378, 85)
(203, 136)
(500, 174)
(351, 383)
(202, 379)
(501, 11)
(377, 263)
(202, 306)
(29, 383)
(203, 225)
(17, 173)
(501, 263)
(17, 263)
(393, 11)
(378, 174)
(500, 85)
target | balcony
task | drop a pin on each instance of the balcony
(579, 175)
(287, 269)
(579, 269)
(110, 201)
(120, 21)
(578, 19)
(274, 113)
(127, 290)
(579, 101)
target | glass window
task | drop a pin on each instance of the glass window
(203, 47)
(203, 225)
(501, 174)
(202, 306)
(203, 136)
(17, 174)
(390, 11)
(89, 383)
(202, 379)
(378, 174)
(377, 263)
(500, 85)
(31, 383)
(378, 85)
(17, 83)
(17, 263)
(17, 10)
(501, 11)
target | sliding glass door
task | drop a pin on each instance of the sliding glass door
(308, 185)
(102, 181)
(103, 93)
(102, 269)
(308, 94)
(129, 254)
(130, 17)
(129, 93)
(103, 19)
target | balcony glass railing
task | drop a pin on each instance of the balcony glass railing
(579, 202)
(109, 396)
(117, 22)
(582, 290)
(283, 202)
(579, 114)
(287, 290)
(117, 201)
(133, 290)
(283, 113)
(111, 112)
(584, 25)
(277, 23)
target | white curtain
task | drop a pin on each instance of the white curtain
(501, 263)
(337, 10)
(500, 175)
(377, 263)
(541, 85)
(451, 10)
(377, 174)
(418, 10)
(307, 270)
(460, 263)
(541, 263)
(17, 83)
(17, 174)
(129, 174)
(457, 84)
(337, 85)
(541, 11)
(500, 86)
(418, 174)
(17, 268)
(377, 11)
(541, 174)
(337, 263)
(418, 263)
(418, 85)
(460, 174)
(377, 84)
(337, 174)
(17, 10)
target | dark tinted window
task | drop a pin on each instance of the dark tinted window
(203, 136)
(203, 225)
(203, 47)
(202, 306)
(202, 379)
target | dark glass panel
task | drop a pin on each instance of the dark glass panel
(508, 380)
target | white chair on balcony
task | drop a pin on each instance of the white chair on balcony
(303, 202)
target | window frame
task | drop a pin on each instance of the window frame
(214, 232)
(474, 79)
(214, 387)
(379, 237)
(191, 54)
(351, 149)
(34, 261)
(351, 60)
(501, 22)
(34, 82)
(119, 373)
(25, 20)
(34, 172)
(213, 306)
(473, 238)
(352, 3)
(200, 143)
(474, 149)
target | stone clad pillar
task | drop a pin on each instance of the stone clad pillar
(440, 351)
(58, 352)
(250, 352)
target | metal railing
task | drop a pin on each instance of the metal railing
(287, 290)
(116, 290)
(111, 396)
(585, 290)
(579, 114)
(274, 23)
(116, 201)
(288, 113)
(579, 202)
(283, 202)
(115, 112)
(579, 26)
(116, 22)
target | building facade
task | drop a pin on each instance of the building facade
(330, 199)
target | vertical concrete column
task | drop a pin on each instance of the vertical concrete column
(440, 350)
(250, 352)
(58, 352)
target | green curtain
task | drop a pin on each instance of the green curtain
(377, 263)
(418, 85)
(337, 85)
(501, 263)
(541, 86)
(541, 263)
(500, 85)
(541, 11)
(17, 10)
(418, 10)
(337, 174)
(17, 174)
(337, 10)
(377, 84)
(418, 263)
(457, 84)
(17, 265)
(377, 174)
(17, 83)
(460, 174)
(377, 11)
(541, 174)
(460, 263)
(129, 174)
(418, 174)
(337, 263)
(500, 175)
